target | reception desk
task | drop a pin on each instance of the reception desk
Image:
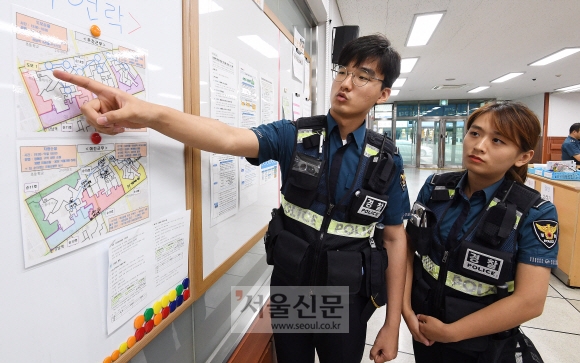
(567, 202)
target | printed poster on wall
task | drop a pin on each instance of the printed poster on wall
(223, 82)
(297, 65)
(267, 106)
(224, 187)
(296, 107)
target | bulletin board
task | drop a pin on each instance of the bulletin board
(218, 245)
(57, 308)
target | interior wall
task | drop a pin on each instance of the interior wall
(564, 110)
(536, 104)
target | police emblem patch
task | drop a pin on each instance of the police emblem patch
(482, 263)
(547, 232)
(403, 181)
(372, 207)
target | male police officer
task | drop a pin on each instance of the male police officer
(322, 170)
(571, 146)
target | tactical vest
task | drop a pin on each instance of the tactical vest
(312, 241)
(453, 279)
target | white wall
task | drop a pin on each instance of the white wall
(564, 110)
(536, 104)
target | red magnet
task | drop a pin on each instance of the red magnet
(96, 138)
(185, 294)
(139, 334)
(149, 326)
(165, 312)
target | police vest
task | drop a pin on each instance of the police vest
(312, 241)
(453, 279)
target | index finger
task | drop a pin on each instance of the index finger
(84, 82)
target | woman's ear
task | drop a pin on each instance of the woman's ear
(524, 158)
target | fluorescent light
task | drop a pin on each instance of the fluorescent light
(208, 6)
(556, 56)
(260, 45)
(573, 88)
(478, 89)
(507, 77)
(395, 92)
(399, 82)
(407, 64)
(423, 27)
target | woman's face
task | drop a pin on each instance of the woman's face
(488, 153)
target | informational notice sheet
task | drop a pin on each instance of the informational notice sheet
(306, 83)
(268, 171)
(249, 182)
(267, 99)
(296, 107)
(306, 108)
(248, 83)
(74, 193)
(144, 264)
(298, 65)
(224, 187)
(43, 44)
(298, 41)
(223, 82)
(286, 107)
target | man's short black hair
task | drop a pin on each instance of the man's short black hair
(575, 127)
(373, 47)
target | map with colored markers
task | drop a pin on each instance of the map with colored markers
(75, 195)
(47, 104)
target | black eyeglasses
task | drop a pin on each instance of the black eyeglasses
(360, 77)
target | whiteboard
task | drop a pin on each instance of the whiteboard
(56, 310)
(219, 30)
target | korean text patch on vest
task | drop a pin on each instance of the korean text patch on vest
(372, 207)
(547, 232)
(482, 263)
(370, 151)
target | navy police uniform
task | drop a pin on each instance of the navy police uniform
(468, 250)
(570, 147)
(336, 198)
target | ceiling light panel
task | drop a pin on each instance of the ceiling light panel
(395, 92)
(422, 29)
(507, 77)
(407, 64)
(573, 88)
(478, 89)
(399, 82)
(556, 56)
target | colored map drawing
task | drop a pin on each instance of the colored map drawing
(56, 102)
(68, 205)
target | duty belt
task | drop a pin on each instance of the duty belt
(461, 283)
(337, 228)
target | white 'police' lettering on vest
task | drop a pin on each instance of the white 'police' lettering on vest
(372, 207)
(482, 263)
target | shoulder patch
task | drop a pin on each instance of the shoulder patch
(547, 232)
(403, 181)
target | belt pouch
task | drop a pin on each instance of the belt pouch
(379, 262)
(290, 258)
(303, 179)
(275, 226)
(345, 268)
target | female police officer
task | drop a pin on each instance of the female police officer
(483, 249)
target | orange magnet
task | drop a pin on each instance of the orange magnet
(131, 342)
(115, 355)
(95, 31)
(107, 360)
(157, 319)
(139, 321)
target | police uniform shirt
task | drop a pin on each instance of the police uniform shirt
(277, 140)
(570, 147)
(537, 237)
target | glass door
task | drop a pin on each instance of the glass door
(440, 142)
(452, 134)
(428, 142)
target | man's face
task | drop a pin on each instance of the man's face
(575, 134)
(349, 101)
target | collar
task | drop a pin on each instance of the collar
(489, 191)
(572, 139)
(358, 134)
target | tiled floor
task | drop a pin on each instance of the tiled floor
(556, 333)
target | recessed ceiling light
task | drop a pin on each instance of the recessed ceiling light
(556, 56)
(395, 92)
(407, 64)
(399, 82)
(423, 27)
(573, 88)
(478, 89)
(507, 77)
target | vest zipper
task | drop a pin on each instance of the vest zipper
(441, 284)
(318, 245)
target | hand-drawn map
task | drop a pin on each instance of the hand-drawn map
(45, 103)
(73, 195)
